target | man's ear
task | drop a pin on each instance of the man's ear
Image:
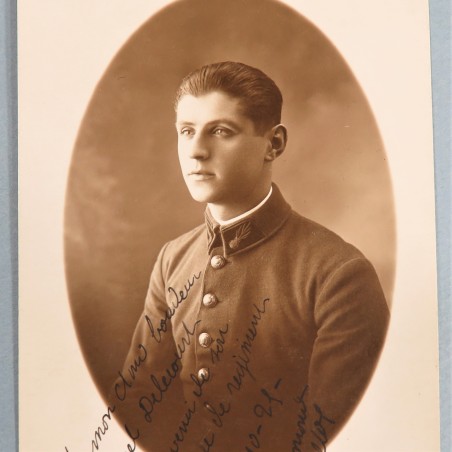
(278, 141)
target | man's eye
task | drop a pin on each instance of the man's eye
(220, 131)
(186, 132)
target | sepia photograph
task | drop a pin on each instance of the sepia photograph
(228, 240)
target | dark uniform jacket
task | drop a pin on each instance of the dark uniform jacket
(261, 335)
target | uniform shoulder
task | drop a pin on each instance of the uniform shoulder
(187, 237)
(185, 244)
(325, 256)
(321, 242)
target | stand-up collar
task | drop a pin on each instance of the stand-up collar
(251, 230)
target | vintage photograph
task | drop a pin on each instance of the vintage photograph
(234, 242)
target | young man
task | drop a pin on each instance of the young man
(261, 328)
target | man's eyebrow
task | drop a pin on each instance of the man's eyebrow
(226, 121)
(184, 123)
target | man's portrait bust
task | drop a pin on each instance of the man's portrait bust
(261, 328)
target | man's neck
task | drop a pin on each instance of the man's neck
(242, 214)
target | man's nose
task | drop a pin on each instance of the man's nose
(199, 147)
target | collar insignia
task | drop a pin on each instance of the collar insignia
(251, 230)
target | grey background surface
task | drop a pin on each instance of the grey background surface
(8, 226)
(440, 19)
(441, 51)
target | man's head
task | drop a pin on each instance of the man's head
(228, 136)
(260, 98)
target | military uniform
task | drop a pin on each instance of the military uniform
(260, 335)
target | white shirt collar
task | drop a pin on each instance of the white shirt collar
(245, 214)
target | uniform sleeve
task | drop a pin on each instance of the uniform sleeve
(145, 396)
(351, 316)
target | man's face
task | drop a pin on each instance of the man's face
(221, 155)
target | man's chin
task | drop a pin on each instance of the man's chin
(202, 195)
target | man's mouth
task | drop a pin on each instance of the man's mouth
(200, 175)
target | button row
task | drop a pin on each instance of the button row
(209, 300)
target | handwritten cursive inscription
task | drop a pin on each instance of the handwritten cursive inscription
(218, 413)
(207, 442)
(102, 429)
(174, 304)
(218, 345)
(263, 410)
(131, 448)
(243, 358)
(301, 421)
(126, 382)
(122, 386)
(163, 382)
(182, 430)
(199, 382)
(320, 430)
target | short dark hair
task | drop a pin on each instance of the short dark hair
(261, 99)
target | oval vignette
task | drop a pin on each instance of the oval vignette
(126, 197)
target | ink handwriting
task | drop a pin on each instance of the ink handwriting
(163, 382)
(318, 428)
(320, 431)
(207, 442)
(199, 382)
(179, 298)
(262, 410)
(102, 429)
(131, 448)
(301, 422)
(121, 388)
(244, 357)
(218, 413)
(218, 345)
(183, 427)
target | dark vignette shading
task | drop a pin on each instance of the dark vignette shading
(125, 195)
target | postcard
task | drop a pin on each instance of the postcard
(226, 226)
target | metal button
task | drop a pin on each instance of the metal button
(209, 300)
(203, 374)
(217, 262)
(205, 340)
